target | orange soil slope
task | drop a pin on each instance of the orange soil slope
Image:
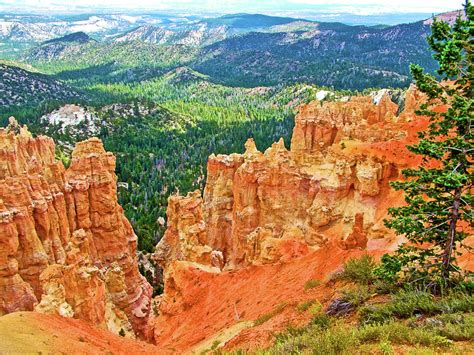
(207, 303)
(32, 332)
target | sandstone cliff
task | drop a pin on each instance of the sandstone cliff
(332, 185)
(66, 247)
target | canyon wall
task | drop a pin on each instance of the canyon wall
(66, 246)
(331, 186)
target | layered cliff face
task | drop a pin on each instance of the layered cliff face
(332, 185)
(66, 247)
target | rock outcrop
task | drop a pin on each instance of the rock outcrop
(358, 238)
(331, 186)
(307, 208)
(66, 246)
(185, 235)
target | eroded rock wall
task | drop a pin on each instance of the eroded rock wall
(331, 186)
(62, 232)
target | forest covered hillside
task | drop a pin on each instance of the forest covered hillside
(235, 51)
(20, 87)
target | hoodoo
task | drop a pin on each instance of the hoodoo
(331, 186)
(66, 246)
(270, 221)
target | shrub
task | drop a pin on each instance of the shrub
(266, 317)
(321, 320)
(389, 268)
(399, 333)
(406, 304)
(466, 283)
(334, 340)
(457, 327)
(371, 314)
(326, 337)
(383, 287)
(315, 308)
(360, 270)
(356, 296)
(215, 344)
(409, 303)
(311, 284)
(304, 306)
(291, 332)
(386, 348)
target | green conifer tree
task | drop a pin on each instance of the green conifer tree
(438, 193)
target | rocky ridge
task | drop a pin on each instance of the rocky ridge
(66, 246)
(266, 207)
(22, 87)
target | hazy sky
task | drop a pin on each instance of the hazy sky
(359, 7)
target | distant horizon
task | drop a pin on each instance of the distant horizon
(322, 15)
(200, 7)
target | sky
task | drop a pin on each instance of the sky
(356, 7)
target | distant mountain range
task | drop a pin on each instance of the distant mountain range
(251, 50)
(208, 31)
(331, 54)
(39, 28)
(18, 32)
(245, 50)
(198, 35)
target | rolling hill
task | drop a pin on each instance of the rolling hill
(21, 87)
(333, 54)
(55, 48)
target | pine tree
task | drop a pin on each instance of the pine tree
(438, 193)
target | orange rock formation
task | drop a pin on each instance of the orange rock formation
(263, 208)
(66, 247)
(270, 221)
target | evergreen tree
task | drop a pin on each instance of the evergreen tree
(438, 193)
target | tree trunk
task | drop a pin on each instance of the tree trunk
(452, 233)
